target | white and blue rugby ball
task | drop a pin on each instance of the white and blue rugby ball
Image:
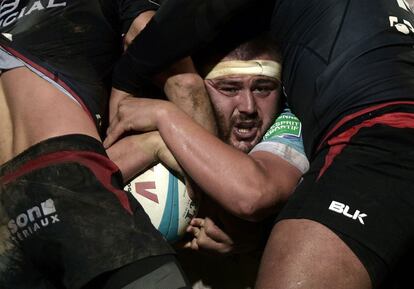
(165, 199)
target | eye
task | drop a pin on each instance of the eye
(263, 90)
(229, 90)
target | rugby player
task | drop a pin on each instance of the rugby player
(348, 69)
(244, 88)
(66, 222)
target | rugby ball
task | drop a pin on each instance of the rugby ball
(165, 199)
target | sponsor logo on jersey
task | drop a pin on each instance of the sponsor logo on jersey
(343, 209)
(287, 124)
(11, 10)
(33, 220)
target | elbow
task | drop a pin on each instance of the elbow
(256, 206)
(187, 82)
(250, 212)
(263, 195)
(261, 202)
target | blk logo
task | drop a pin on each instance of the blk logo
(345, 210)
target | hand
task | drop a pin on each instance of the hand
(208, 237)
(135, 114)
(116, 97)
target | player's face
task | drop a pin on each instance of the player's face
(245, 106)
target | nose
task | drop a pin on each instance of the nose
(247, 102)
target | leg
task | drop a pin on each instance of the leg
(305, 254)
(154, 272)
(370, 178)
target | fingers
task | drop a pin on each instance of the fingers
(117, 98)
(195, 231)
(113, 133)
(212, 231)
(208, 237)
(192, 245)
(199, 222)
(125, 119)
(134, 114)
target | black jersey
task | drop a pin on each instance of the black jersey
(72, 41)
(339, 55)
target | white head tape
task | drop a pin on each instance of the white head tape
(252, 67)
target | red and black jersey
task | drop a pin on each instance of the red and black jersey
(74, 42)
(343, 56)
(339, 55)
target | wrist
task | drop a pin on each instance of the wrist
(165, 114)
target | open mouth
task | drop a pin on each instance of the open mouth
(246, 130)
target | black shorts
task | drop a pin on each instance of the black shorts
(64, 218)
(361, 186)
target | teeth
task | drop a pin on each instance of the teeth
(243, 130)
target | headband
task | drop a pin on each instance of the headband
(256, 67)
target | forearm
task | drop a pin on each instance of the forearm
(242, 184)
(182, 85)
(188, 92)
(136, 153)
(133, 154)
(250, 186)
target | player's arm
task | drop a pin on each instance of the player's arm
(249, 186)
(136, 153)
(134, 15)
(185, 89)
(180, 80)
(179, 27)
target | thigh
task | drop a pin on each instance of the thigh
(305, 254)
(364, 197)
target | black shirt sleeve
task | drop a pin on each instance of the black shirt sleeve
(130, 9)
(178, 28)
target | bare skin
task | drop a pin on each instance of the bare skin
(295, 258)
(184, 87)
(187, 139)
(188, 92)
(244, 106)
(5, 128)
(35, 109)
